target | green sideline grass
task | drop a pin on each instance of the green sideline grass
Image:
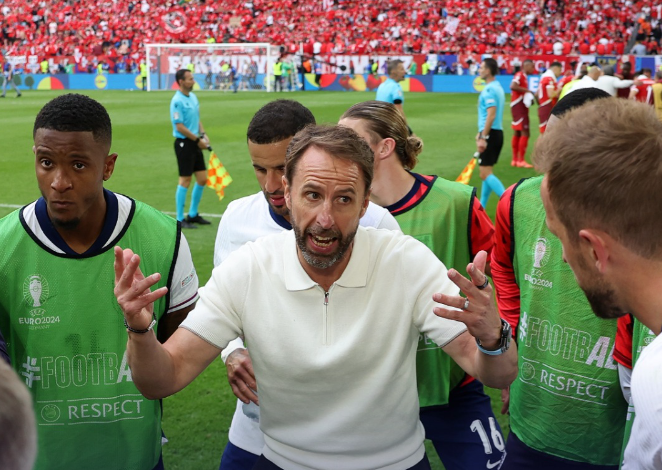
(196, 420)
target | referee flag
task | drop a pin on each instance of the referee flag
(465, 176)
(218, 177)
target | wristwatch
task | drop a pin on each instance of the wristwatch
(484, 137)
(504, 342)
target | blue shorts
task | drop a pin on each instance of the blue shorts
(236, 458)
(465, 434)
(521, 457)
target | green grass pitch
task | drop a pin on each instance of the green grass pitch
(196, 420)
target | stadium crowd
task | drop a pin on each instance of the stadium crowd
(116, 28)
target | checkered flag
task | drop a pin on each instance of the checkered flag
(218, 177)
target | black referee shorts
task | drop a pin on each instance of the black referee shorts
(494, 144)
(189, 157)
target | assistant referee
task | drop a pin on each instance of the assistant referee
(489, 139)
(190, 140)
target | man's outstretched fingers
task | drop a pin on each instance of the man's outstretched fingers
(119, 263)
(448, 313)
(449, 300)
(466, 285)
(480, 260)
(126, 278)
(476, 270)
(141, 285)
(154, 295)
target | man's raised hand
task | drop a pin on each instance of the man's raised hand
(476, 310)
(132, 289)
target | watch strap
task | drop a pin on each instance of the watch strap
(142, 332)
(504, 343)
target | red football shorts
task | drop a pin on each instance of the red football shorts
(520, 117)
(544, 112)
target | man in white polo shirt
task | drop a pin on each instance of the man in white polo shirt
(245, 220)
(332, 312)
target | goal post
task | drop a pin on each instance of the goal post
(224, 66)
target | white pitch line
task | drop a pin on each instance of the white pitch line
(18, 206)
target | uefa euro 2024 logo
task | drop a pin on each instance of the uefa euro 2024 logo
(540, 253)
(35, 291)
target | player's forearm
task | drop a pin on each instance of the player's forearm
(152, 367)
(182, 129)
(496, 371)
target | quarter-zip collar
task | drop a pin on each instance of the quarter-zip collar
(355, 274)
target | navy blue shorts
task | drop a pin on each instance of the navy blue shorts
(465, 434)
(522, 457)
(236, 458)
(159, 465)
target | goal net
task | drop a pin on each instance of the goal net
(225, 67)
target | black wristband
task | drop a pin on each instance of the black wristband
(142, 332)
(197, 140)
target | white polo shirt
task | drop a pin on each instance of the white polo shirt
(337, 379)
(245, 220)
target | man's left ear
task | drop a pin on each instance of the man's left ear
(598, 244)
(109, 166)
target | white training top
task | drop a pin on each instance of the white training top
(644, 449)
(337, 371)
(245, 220)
